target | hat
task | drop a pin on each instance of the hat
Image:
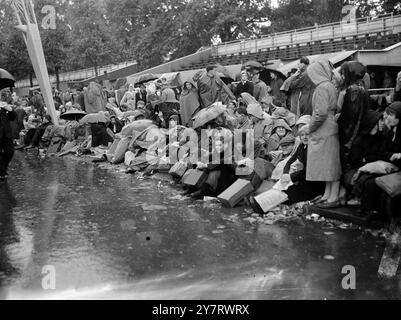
(304, 129)
(281, 123)
(288, 139)
(304, 120)
(283, 113)
(395, 108)
(254, 109)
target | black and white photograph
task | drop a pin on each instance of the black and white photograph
(200, 155)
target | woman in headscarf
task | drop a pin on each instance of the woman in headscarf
(324, 148)
(355, 105)
(189, 103)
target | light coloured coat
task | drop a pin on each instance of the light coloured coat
(324, 147)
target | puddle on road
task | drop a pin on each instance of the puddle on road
(114, 236)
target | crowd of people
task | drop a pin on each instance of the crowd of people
(317, 132)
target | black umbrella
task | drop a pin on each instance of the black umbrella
(6, 79)
(143, 78)
(73, 115)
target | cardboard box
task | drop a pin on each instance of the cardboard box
(236, 193)
(178, 170)
(194, 178)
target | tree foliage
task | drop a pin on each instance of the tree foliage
(91, 33)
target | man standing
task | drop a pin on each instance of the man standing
(212, 89)
(7, 114)
(261, 90)
(276, 85)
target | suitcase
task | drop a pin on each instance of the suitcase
(194, 178)
(178, 170)
(236, 193)
(391, 184)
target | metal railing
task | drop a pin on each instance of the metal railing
(77, 75)
(342, 29)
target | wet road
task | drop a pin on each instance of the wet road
(111, 236)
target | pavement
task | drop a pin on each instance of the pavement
(73, 230)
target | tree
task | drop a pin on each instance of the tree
(94, 42)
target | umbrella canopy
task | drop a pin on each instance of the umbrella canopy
(248, 99)
(143, 78)
(6, 79)
(173, 79)
(208, 114)
(253, 64)
(95, 118)
(265, 75)
(73, 115)
(137, 126)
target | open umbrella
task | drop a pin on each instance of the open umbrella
(143, 78)
(136, 126)
(208, 114)
(73, 114)
(6, 79)
(95, 118)
(253, 64)
(248, 99)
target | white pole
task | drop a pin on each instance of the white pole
(33, 42)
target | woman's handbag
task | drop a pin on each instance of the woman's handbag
(391, 184)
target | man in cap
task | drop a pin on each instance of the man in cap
(286, 148)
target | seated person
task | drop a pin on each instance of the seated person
(366, 188)
(47, 121)
(243, 121)
(367, 147)
(302, 190)
(221, 174)
(280, 130)
(115, 125)
(32, 123)
(285, 150)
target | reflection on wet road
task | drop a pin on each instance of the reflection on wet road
(111, 236)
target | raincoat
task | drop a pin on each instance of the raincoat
(95, 98)
(212, 89)
(324, 147)
(189, 105)
(303, 88)
(353, 111)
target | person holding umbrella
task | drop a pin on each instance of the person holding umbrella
(7, 114)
